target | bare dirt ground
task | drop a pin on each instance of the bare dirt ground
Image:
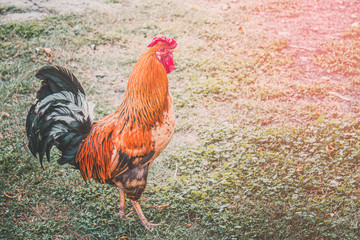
(306, 25)
(36, 9)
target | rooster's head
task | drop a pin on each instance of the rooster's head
(165, 51)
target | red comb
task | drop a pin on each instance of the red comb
(163, 39)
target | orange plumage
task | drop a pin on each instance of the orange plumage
(119, 148)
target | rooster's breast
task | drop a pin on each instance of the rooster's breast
(163, 131)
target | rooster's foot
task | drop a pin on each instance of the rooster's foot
(148, 225)
(121, 214)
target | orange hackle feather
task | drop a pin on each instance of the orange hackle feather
(128, 129)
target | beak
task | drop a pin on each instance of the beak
(175, 50)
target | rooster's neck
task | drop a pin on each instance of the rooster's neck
(147, 93)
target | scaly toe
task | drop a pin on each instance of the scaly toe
(121, 214)
(148, 225)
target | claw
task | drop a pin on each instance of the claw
(148, 225)
(142, 218)
(121, 214)
(137, 208)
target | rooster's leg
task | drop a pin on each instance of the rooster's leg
(142, 218)
(121, 213)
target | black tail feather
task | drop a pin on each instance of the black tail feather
(57, 79)
(60, 115)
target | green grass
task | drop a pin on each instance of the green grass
(341, 56)
(257, 154)
(5, 9)
(241, 181)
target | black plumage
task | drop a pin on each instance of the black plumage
(60, 115)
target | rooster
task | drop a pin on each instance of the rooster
(119, 148)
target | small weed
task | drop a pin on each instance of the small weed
(342, 56)
(5, 9)
(352, 33)
(272, 57)
(113, 1)
(210, 87)
(23, 30)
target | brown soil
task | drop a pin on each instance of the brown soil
(36, 9)
(307, 25)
